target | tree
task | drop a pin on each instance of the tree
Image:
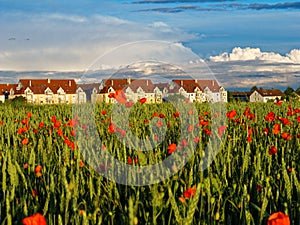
(289, 91)
(254, 88)
(290, 94)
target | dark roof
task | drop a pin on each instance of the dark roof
(89, 87)
(270, 92)
(38, 86)
(240, 93)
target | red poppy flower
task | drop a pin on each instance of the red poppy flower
(190, 128)
(285, 121)
(231, 114)
(196, 139)
(298, 119)
(259, 188)
(189, 193)
(155, 114)
(184, 142)
(246, 111)
(1, 122)
(81, 164)
(161, 115)
(34, 193)
(59, 132)
(111, 128)
(207, 131)
(25, 141)
(41, 125)
(120, 97)
(53, 119)
(129, 104)
(57, 124)
(270, 117)
(279, 218)
(176, 114)
(38, 171)
(72, 123)
(221, 130)
(36, 219)
(272, 150)
(249, 138)
(204, 123)
(73, 133)
(29, 115)
(290, 169)
(103, 112)
(276, 129)
(159, 123)
(24, 121)
(25, 166)
(266, 131)
(277, 103)
(143, 100)
(171, 148)
(191, 112)
(286, 136)
(129, 160)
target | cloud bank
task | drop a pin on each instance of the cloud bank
(70, 42)
(246, 67)
(194, 5)
(247, 54)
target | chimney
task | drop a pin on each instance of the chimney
(213, 82)
(128, 80)
(70, 83)
(147, 82)
(112, 82)
(48, 80)
(29, 83)
(181, 82)
(196, 81)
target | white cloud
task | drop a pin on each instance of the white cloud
(247, 54)
(70, 42)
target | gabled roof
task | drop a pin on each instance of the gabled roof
(133, 84)
(38, 86)
(7, 87)
(89, 87)
(188, 85)
(211, 84)
(270, 92)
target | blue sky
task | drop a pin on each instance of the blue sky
(69, 36)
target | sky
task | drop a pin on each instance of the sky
(244, 43)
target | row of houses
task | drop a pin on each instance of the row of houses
(54, 91)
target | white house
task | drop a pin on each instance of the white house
(263, 95)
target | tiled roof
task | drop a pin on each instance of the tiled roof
(211, 84)
(271, 92)
(7, 87)
(38, 86)
(188, 85)
(89, 87)
(122, 84)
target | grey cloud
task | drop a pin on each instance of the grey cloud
(179, 1)
(222, 7)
